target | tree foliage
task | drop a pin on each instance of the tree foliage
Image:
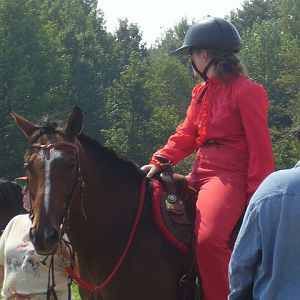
(57, 53)
(126, 110)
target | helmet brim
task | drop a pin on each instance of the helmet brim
(181, 50)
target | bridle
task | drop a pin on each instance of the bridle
(78, 177)
(70, 270)
(64, 222)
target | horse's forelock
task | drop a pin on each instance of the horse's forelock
(45, 128)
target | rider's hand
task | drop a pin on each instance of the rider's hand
(150, 170)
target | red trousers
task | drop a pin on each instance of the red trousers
(220, 176)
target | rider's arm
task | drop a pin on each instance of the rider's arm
(253, 106)
(183, 142)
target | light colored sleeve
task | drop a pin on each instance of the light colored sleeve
(245, 257)
(3, 239)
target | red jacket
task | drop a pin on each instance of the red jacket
(232, 113)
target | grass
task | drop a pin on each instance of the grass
(75, 292)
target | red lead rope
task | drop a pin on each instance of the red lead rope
(92, 288)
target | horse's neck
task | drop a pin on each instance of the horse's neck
(103, 215)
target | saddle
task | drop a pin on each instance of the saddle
(174, 208)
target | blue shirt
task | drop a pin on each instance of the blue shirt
(265, 263)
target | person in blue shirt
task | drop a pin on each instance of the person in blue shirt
(265, 263)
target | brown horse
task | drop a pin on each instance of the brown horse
(97, 194)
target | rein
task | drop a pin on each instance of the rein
(96, 289)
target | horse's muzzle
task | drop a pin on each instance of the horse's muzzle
(45, 241)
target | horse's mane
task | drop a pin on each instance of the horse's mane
(115, 162)
(10, 195)
(100, 154)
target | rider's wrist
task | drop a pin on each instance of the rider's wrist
(160, 162)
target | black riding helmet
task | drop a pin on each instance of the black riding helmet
(211, 33)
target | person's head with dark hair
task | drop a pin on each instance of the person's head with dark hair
(10, 194)
(11, 201)
(212, 43)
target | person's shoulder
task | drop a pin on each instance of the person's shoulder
(242, 84)
(246, 91)
(278, 185)
(15, 223)
(23, 218)
(284, 178)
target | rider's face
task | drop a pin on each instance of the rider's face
(200, 59)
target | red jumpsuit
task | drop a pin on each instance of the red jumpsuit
(228, 130)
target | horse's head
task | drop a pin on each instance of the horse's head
(52, 164)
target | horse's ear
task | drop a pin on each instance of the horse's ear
(74, 122)
(24, 125)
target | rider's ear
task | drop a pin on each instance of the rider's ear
(24, 125)
(73, 125)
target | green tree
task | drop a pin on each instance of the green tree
(126, 110)
(271, 52)
(171, 39)
(129, 39)
(86, 50)
(27, 73)
(169, 85)
(271, 57)
(54, 54)
(254, 11)
(289, 17)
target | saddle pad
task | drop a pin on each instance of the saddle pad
(178, 235)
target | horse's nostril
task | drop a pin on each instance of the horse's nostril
(52, 236)
(45, 241)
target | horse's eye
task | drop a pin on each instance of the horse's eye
(71, 165)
